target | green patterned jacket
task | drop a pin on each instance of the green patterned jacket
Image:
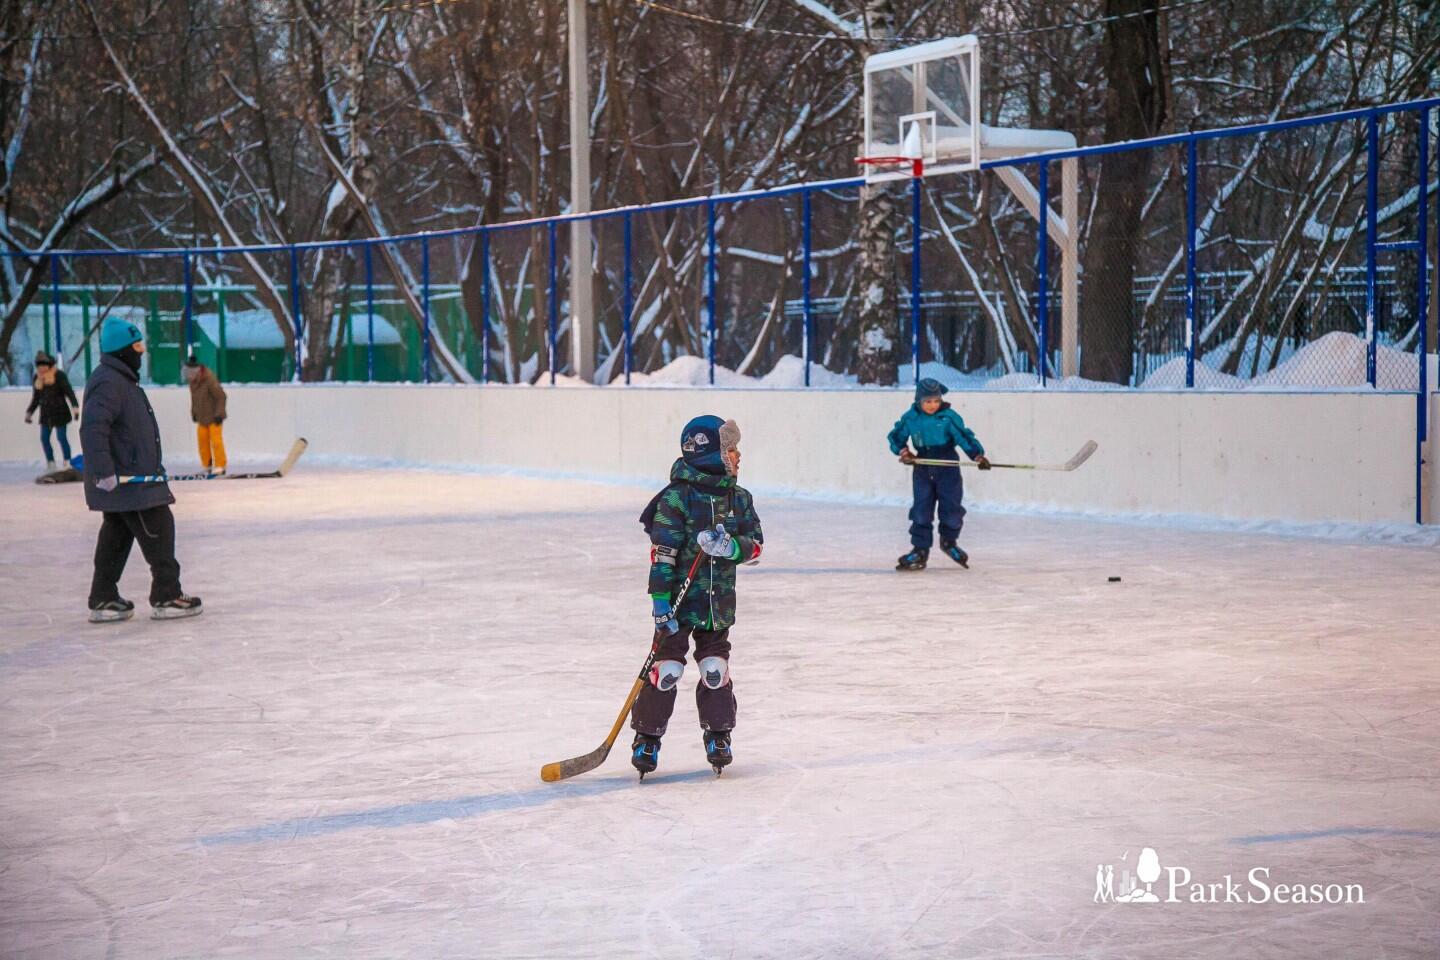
(693, 502)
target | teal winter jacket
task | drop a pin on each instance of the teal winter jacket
(934, 434)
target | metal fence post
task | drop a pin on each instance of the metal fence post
(807, 315)
(369, 313)
(710, 287)
(85, 328)
(554, 302)
(1042, 274)
(1372, 331)
(221, 365)
(485, 307)
(189, 310)
(628, 298)
(916, 179)
(1192, 330)
(425, 304)
(1422, 313)
(295, 310)
(55, 306)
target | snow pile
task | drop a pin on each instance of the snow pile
(789, 371)
(690, 372)
(1031, 381)
(1335, 361)
(1339, 360)
(1171, 376)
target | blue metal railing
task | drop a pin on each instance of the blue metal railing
(809, 313)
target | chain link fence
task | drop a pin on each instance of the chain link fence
(1283, 255)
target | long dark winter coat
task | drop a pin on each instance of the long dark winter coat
(120, 437)
(53, 399)
(697, 501)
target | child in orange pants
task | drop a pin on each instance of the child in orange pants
(207, 409)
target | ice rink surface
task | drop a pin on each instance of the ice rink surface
(340, 758)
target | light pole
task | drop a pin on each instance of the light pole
(582, 312)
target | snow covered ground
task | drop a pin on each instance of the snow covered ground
(340, 758)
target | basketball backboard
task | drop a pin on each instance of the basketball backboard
(922, 103)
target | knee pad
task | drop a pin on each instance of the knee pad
(665, 674)
(714, 672)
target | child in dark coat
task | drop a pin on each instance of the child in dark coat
(935, 430)
(55, 399)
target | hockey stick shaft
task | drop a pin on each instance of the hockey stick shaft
(296, 449)
(178, 477)
(1081, 455)
(565, 769)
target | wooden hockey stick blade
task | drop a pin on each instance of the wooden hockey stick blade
(565, 769)
(1081, 455)
(296, 449)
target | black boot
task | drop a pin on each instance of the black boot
(914, 560)
(645, 753)
(953, 551)
(717, 749)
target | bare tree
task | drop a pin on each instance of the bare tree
(1136, 106)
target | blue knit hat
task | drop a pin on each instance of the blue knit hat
(700, 444)
(117, 334)
(930, 387)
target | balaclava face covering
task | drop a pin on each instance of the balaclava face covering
(129, 356)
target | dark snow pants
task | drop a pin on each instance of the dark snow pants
(651, 713)
(155, 529)
(934, 486)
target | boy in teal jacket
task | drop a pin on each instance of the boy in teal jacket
(935, 430)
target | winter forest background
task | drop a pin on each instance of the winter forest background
(184, 123)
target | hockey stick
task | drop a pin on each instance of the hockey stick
(296, 449)
(565, 769)
(1080, 457)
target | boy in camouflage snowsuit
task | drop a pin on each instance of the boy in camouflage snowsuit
(702, 510)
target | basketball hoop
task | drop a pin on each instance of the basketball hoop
(912, 145)
(916, 164)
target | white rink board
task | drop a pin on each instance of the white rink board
(1304, 457)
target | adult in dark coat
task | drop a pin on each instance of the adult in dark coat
(120, 437)
(55, 399)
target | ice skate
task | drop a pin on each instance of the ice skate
(717, 749)
(645, 753)
(914, 560)
(953, 551)
(112, 611)
(181, 606)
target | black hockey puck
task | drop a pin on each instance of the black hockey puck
(1114, 579)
